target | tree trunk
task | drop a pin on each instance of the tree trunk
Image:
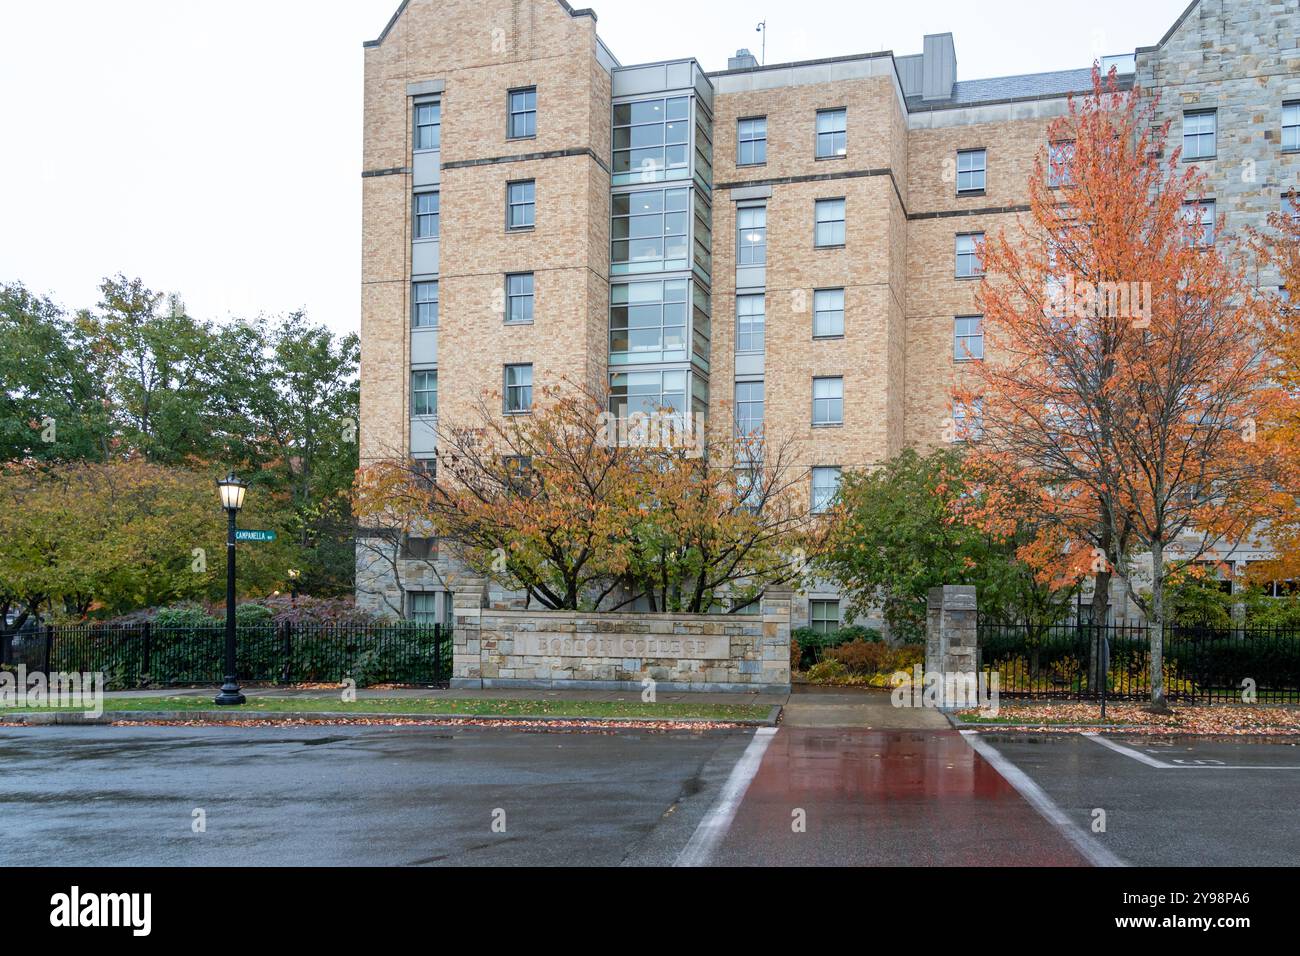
(1157, 628)
(1096, 628)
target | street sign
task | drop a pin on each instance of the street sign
(248, 534)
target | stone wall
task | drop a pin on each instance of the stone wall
(575, 649)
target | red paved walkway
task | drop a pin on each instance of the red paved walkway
(881, 797)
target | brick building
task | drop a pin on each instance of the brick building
(792, 243)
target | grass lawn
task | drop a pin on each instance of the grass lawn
(424, 705)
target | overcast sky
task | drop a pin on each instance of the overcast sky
(212, 147)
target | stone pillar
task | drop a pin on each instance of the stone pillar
(950, 638)
(777, 609)
(467, 602)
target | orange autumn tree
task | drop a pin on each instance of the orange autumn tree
(1123, 379)
(1278, 248)
(580, 510)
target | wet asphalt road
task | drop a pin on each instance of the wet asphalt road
(325, 796)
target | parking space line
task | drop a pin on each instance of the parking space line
(1178, 764)
(718, 820)
(1034, 795)
(1129, 752)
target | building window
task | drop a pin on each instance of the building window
(971, 165)
(1060, 156)
(430, 607)
(1198, 134)
(428, 126)
(751, 236)
(828, 401)
(751, 322)
(968, 420)
(647, 321)
(824, 616)
(968, 338)
(426, 215)
(1291, 206)
(830, 222)
(968, 255)
(419, 549)
(425, 471)
(523, 113)
(519, 388)
(646, 393)
(832, 133)
(424, 298)
(749, 409)
(651, 140)
(828, 313)
(1201, 214)
(751, 142)
(519, 297)
(650, 231)
(424, 393)
(521, 203)
(1291, 126)
(825, 486)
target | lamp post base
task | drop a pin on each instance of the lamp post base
(230, 694)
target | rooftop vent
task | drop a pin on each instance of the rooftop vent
(743, 60)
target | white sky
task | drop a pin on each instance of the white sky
(213, 148)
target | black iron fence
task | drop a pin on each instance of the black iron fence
(1201, 664)
(137, 655)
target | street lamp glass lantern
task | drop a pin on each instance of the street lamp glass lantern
(232, 492)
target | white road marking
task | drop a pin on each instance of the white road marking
(1180, 763)
(1128, 751)
(1094, 852)
(717, 821)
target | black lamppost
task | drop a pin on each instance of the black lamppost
(232, 499)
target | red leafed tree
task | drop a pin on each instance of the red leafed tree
(1123, 377)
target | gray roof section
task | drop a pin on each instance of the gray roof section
(1028, 86)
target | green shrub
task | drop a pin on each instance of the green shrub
(876, 658)
(828, 670)
(813, 644)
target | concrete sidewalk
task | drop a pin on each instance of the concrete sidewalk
(867, 708)
(602, 696)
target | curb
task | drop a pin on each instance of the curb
(77, 718)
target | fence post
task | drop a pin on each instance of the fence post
(951, 640)
(6, 637)
(49, 647)
(146, 662)
(286, 649)
(437, 652)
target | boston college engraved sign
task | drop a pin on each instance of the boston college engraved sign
(682, 646)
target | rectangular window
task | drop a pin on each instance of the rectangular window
(519, 297)
(647, 321)
(1201, 215)
(749, 409)
(751, 322)
(1291, 207)
(830, 222)
(521, 203)
(427, 206)
(419, 549)
(651, 140)
(424, 393)
(428, 126)
(650, 231)
(646, 393)
(424, 299)
(824, 616)
(1060, 156)
(825, 486)
(968, 338)
(828, 313)
(1291, 126)
(968, 421)
(968, 255)
(425, 471)
(751, 142)
(828, 401)
(832, 133)
(1198, 134)
(430, 607)
(523, 113)
(751, 235)
(519, 388)
(971, 165)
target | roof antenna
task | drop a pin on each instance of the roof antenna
(762, 28)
